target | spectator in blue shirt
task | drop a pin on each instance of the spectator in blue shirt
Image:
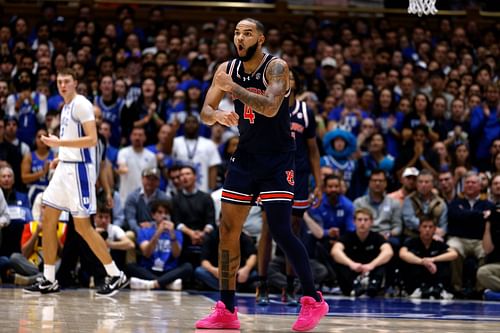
(485, 126)
(339, 146)
(348, 116)
(327, 222)
(332, 218)
(161, 246)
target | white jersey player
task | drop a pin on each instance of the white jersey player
(72, 187)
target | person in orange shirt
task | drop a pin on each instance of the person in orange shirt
(28, 264)
(408, 181)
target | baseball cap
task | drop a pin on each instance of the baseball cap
(151, 172)
(411, 171)
(421, 65)
(60, 20)
(208, 26)
(329, 61)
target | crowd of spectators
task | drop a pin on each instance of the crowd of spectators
(407, 125)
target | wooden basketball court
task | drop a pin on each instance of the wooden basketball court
(164, 311)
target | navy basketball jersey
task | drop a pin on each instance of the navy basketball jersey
(258, 133)
(303, 126)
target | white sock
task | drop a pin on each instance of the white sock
(111, 269)
(49, 271)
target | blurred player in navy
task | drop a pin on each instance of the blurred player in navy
(303, 126)
(263, 164)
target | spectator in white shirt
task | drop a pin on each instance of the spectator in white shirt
(132, 160)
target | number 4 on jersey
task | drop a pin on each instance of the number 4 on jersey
(248, 114)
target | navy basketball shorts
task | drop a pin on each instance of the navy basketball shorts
(301, 194)
(265, 177)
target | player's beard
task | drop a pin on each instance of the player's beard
(250, 53)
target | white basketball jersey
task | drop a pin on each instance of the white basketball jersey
(73, 115)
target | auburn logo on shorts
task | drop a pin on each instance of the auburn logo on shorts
(289, 177)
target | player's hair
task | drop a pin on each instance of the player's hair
(363, 210)
(258, 24)
(68, 71)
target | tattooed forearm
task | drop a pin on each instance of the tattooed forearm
(259, 103)
(269, 103)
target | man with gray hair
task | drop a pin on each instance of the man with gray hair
(7, 185)
(466, 223)
(424, 202)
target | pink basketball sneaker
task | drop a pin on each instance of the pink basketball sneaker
(220, 318)
(310, 313)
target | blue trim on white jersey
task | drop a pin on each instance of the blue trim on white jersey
(72, 107)
(84, 152)
(83, 185)
(80, 134)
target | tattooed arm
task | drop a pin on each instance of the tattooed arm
(268, 104)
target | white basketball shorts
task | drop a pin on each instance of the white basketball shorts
(72, 189)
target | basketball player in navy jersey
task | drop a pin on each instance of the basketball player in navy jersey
(263, 164)
(307, 160)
